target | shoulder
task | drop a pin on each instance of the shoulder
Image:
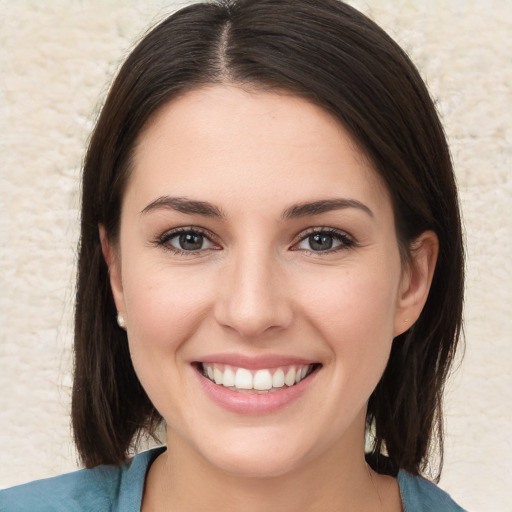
(103, 488)
(420, 495)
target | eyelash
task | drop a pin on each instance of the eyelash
(346, 241)
(164, 240)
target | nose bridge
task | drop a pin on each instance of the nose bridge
(253, 297)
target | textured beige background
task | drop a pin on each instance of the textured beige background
(56, 60)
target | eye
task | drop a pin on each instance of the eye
(325, 240)
(186, 240)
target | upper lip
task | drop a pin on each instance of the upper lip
(254, 362)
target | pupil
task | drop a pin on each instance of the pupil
(191, 241)
(319, 242)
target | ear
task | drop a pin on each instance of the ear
(113, 262)
(416, 281)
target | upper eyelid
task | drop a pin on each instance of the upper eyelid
(323, 229)
(187, 229)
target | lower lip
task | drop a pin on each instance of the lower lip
(254, 403)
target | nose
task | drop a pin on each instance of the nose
(253, 298)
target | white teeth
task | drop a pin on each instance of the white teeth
(289, 380)
(243, 379)
(217, 376)
(262, 380)
(229, 378)
(278, 379)
(259, 380)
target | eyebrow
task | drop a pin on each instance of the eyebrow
(184, 205)
(190, 206)
(322, 206)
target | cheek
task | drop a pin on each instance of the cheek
(164, 307)
(354, 313)
(358, 300)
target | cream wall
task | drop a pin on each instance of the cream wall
(56, 60)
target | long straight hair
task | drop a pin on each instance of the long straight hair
(335, 57)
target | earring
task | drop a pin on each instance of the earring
(121, 321)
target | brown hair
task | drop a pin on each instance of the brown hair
(332, 55)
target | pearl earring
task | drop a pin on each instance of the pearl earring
(121, 321)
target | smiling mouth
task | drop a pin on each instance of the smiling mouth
(261, 381)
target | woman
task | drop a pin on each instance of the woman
(271, 264)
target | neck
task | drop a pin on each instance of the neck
(336, 481)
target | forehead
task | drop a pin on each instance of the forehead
(222, 141)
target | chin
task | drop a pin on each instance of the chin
(262, 456)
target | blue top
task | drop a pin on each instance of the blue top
(119, 489)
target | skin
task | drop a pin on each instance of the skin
(256, 287)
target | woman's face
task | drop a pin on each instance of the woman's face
(257, 249)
